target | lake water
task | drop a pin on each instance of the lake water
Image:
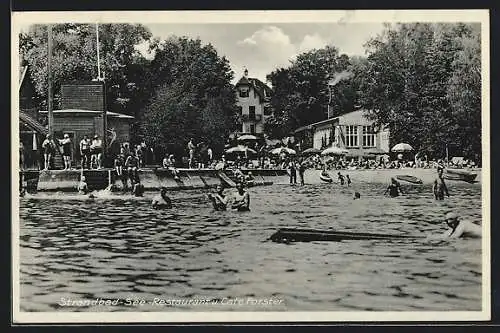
(122, 250)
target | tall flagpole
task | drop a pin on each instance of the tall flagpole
(49, 71)
(104, 109)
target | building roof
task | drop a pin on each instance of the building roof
(262, 89)
(32, 123)
(327, 121)
(90, 112)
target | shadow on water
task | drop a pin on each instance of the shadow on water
(123, 249)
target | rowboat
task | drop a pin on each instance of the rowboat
(460, 174)
(309, 235)
(410, 179)
(326, 178)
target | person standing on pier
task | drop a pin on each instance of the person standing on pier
(96, 151)
(85, 152)
(66, 151)
(439, 187)
(191, 148)
(131, 163)
(118, 163)
(49, 149)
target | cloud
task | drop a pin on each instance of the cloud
(269, 35)
(311, 42)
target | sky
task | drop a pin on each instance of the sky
(261, 48)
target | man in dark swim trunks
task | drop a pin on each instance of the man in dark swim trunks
(302, 170)
(219, 200)
(49, 150)
(85, 152)
(66, 146)
(348, 180)
(131, 164)
(439, 188)
(394, 188)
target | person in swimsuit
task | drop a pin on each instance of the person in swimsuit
(85, 152)
(191, 148)
(341, 178)
(131, 163)
(357, 195)
(118, 163)
(439, 187)
(458, 228)
(66, 147)
(49, 149)
(241, 200)
(394, 188)
(96, 150)
(302, 170)
(219, 200)
(138, 189)
(348, 180)
(293, 172)
(82, 186)
(161, 200)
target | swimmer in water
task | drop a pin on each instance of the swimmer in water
(458, 228)
(241, 199)
(439, 187)
(219, 200)
(161, 200)
(82, 186)
(138, 189)
(394, 188)
(357, 195)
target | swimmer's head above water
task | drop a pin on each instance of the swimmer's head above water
(452, 219)
(357, 195)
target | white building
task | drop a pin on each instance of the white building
(352, 131)
(253, 102)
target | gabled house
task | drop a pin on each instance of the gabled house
(253, 98)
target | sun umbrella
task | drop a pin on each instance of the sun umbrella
(401, 147)
(247, 137)
(279, 150)
(334, 151)
(240, 149)
(310, 151)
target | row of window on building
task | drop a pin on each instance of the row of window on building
(368, 136)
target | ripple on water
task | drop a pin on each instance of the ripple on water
(115, 248)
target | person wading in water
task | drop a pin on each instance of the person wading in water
(439, 188)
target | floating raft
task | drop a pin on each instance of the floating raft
(409, 179)
(310, 235)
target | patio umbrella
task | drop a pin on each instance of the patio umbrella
(279, 150)
(334, 151)
(247, 137)
(240, 149)
(311, 151)
(401, 148)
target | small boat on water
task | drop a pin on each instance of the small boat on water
(325, 177)
(409, 179)
(460, 174)
(309, 235)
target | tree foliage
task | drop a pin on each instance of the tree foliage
(74, 58)
(194, 98)
(301, 94)
(423, 80)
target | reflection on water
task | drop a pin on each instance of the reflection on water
(122, 249)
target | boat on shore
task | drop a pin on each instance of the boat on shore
(410, 179)
(286, 235)
(460, 174)
(325, 177)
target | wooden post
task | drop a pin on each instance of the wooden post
(49, 71)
